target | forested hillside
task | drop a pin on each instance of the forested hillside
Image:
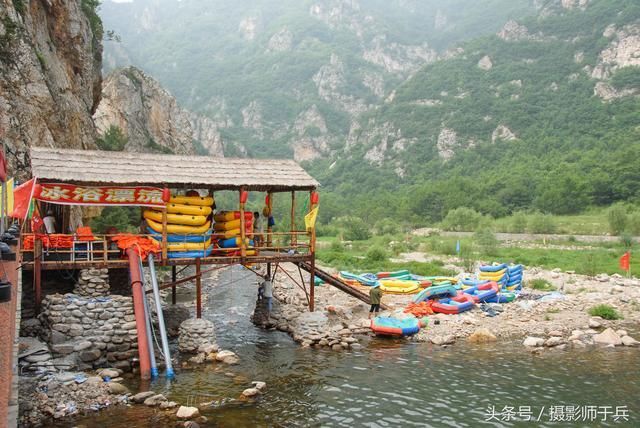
(287, 77)
(544, 115)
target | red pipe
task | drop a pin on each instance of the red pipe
(138, 308)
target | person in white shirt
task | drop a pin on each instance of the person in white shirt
(49, 222)
(257, 229)
(267, 292)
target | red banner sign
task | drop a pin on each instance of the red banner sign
(69, 194)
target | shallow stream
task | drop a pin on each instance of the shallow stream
(391, 382)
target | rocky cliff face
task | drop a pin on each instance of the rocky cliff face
(151, 118)
(50, 61)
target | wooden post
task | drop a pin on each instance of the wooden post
(293, 218)
(174, 277)
(270, 209)
(198, 289)
(312, 251)
(37, 273)
(164, 234)
(243, 227)
(312, 284)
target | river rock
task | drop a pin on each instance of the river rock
(117, 388)
(595, 322)
(227, 357)
(621, 333)
(482, 335)
(155, 400)
(555, 333)
(443, 340)
(89, 355)
(533, 341)
(167, 405)
(259, 385)
(629, 341)
(608, 337)
(553, 341)
(250, 392)
(185, 412)
(111, 373)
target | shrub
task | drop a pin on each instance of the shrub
(337, 247)
(386, 227)
(112, 140)
(462, 219)
(122, 218)
(519, 222)
(588, 266)
(354, 228)
(617, 218)
(606, 312)
(486, 239)
(540, 284)
(542, 223)
(376, 254)
(626, 239)
(633, 223)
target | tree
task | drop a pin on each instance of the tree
(112, 140)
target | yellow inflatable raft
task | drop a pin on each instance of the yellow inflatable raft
(492, 276)
(228, 225)
(188, 209)
(399, 286)
(203, 201)
(179, 229)
(176, 219)
(186, 246)
(223, 216)
(228, 233)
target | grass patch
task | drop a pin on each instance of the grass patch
(606, 312)
(553, 310)
(540, 284)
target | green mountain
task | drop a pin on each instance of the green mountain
(407, 109)
(287, 77)
(543, 115)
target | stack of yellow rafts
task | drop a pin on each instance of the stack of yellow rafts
(188, 226)
(227, 228)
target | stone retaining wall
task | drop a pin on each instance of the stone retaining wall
(92, 283)
(91, 332)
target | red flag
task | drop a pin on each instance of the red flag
(22, 196)
(36, 222)
(625, 261)
(3, 166)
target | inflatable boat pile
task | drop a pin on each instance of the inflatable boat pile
(188, 226)
(227, 229)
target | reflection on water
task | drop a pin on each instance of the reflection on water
(388, 383)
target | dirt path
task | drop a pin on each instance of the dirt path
(524, 236)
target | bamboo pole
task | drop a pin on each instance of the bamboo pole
(174, 276)
(312, 249)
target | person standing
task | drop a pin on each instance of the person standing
(267, 293)
(375, 295)
(257, 229)
(49, 222)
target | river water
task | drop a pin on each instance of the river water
(391, 383)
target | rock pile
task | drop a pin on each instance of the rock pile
(67, 394)
(90, 331)
(195, 333)
(92, 283)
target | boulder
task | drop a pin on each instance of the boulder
(185, 412)
(111, 373)
(608, 337)
(227, 357)
(629, 341)
(89, 355)
(533, 341)
(167, 405)
(595, 323)
(555, 333)
(482, 335)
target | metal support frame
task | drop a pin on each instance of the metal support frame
(198, 290)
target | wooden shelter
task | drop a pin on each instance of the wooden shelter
(88, 169)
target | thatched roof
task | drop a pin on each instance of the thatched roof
(93, 167)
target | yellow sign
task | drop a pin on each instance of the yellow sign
(9, 201)
(310, 219)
